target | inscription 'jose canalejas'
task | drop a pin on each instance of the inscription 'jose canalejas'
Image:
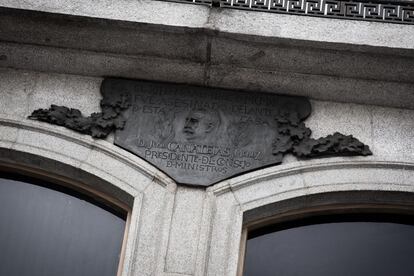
(200, 135)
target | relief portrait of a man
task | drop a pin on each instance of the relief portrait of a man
(200, 124)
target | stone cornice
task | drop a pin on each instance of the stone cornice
(365, 63)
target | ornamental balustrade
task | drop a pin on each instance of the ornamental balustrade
(381, 11)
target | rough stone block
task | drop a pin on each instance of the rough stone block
(225, 236)
(8, 135)
(257, 190)
(117, 168)
(329, 117)
(52, 144)
(393, 132)
(154, 220)
(15, 87)
(185, 231)
(78, 92)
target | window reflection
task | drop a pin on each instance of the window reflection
(46, 232)
(348, 248)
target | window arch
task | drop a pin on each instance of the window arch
(50, 229)
(340, 233)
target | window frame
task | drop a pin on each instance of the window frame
(317, 205)
(83, 189)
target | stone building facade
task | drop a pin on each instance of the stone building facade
(358, 76)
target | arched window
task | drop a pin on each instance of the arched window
(49, 230)
(341, 240)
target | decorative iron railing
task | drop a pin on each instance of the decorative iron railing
(380, 11)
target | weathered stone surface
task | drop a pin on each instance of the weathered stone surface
(390, 134)
(194, 44)
(185, 231)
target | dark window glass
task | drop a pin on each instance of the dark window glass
(46, 230)
(347, 248)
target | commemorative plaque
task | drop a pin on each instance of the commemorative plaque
(201, 135)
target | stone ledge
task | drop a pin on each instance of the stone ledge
(216, 52)
(228, 20)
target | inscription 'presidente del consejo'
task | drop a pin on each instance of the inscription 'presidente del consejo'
(201, 135)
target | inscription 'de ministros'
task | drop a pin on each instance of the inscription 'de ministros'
(200, 135)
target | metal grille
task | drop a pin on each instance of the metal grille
(391, 12)
(202, 2)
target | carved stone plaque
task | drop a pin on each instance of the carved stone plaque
(200, 135)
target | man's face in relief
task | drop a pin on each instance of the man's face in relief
(198, 123)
